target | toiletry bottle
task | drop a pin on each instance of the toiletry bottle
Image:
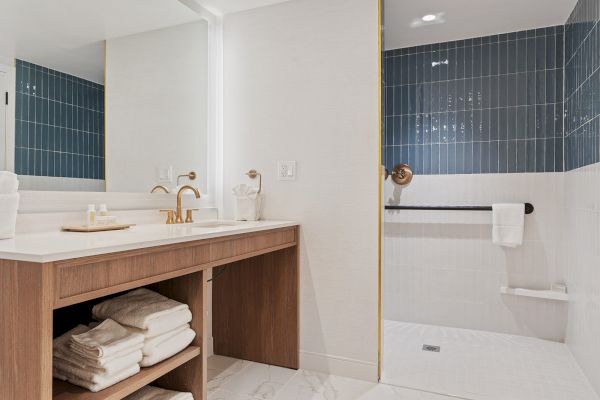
(91, 214)
(103, 210)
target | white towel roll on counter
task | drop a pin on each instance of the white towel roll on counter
(9, 182)
(9, 204)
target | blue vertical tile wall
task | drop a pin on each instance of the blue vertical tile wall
(491, 104)
(582, 86)
(59, 124)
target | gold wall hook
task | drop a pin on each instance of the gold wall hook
(252, 174)
(402, 174)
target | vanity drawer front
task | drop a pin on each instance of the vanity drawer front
(239, 246)
(74, 278)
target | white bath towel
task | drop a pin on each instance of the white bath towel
(95, 375)
(164, 324)
(9, 205)
(154, 393)
(508, 224)
(105, 340)
(96, 387)
(139, 309)
(109, 368)
(62, 354)
(150, 344)
(169, 348)
(8, 182)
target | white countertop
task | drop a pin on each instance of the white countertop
(54, 246)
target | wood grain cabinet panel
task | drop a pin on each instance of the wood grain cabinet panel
(245, 244)
(255, 309)
(83, 276)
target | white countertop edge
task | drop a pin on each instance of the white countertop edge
(38, 257)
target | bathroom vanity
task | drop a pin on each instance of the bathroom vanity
(49, 282)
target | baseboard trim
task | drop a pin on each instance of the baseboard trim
(336, 365)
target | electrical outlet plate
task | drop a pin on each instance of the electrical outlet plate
(286, 170)
(165, 174)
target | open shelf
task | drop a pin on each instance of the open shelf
(540, 294)
(66, 391)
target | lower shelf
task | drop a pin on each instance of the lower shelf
(540, 294)
(65, 391)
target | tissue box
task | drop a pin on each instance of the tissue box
(9, 204)
(247, 208)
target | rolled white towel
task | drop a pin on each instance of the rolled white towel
(139, 309)
(105, 340)
(8, 182)
(154, 393)
(96, 387)
(169, 348)
(9, 205)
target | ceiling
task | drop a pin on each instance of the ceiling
(467, 19)
(68, 35)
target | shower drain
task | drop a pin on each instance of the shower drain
(428, 347)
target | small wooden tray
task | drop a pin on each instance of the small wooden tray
(96, 228)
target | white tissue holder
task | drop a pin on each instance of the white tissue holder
(248, 209)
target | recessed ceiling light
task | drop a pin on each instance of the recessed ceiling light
(429, 18)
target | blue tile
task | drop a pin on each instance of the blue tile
(472, 100)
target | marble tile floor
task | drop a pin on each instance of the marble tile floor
(480, 365)
(231, 379)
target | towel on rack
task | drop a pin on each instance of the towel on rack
(146, 310)
(169, 347)
(154, 393)
(508, 224)
(105, 340)
(96, 387)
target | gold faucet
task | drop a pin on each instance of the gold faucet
(178, 213)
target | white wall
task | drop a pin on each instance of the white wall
(581, 255)
(301, 83)
(441, 267)
(156, 107)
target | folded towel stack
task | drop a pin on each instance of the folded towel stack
(164, 323)
(9, 204)
(154, 393)
(97, 358)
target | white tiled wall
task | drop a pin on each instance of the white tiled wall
(581, 256)
(441, 267)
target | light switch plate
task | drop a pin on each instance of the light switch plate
(286, 170)
(165, 174)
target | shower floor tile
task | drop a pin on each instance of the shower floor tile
(480, 365)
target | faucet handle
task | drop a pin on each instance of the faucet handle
(170, 216)
(189, 215)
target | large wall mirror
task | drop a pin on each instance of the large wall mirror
(114, 99)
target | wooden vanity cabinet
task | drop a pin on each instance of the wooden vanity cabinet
(255, 309)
